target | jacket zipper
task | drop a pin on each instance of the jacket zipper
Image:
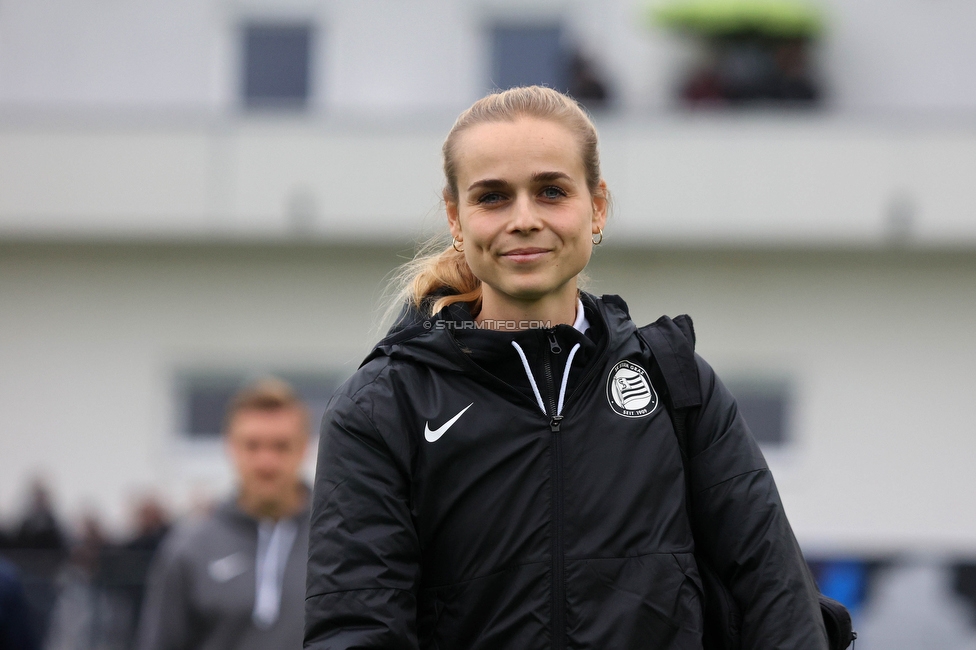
(554, 348)
(558, 561)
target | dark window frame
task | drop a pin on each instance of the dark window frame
(529, 68)
(203, 420)
(277, 63)
(766, 404)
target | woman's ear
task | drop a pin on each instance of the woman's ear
(601, 204)
(453, 220)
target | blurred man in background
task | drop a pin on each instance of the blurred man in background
(236, 579)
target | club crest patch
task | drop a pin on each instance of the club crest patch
(630, 392)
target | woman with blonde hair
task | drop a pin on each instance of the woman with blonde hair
(502, 471)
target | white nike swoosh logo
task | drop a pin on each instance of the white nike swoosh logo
(433, 436)
(227, 568)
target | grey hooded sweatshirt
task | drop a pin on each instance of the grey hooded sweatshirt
(206, 576)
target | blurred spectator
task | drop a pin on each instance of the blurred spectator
(40, 528)
(87, 596)
(964, 584)
(37, 546)
(585, 84)
(85, 615)
(703, 88)
(236, 578)
(15, 628)
(152, 524)
(124, 569)
(754, 53)
(792, 74)
(748, 69)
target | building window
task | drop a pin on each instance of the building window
(202, 397)
(765, 406)
(525, 55)
(276, 65)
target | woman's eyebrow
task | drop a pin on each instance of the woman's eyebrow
(488, 183)
(551, 176)
(539, 177)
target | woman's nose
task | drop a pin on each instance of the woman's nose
(524, 215)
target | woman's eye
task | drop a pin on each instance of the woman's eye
(491, 197)
(553, 193)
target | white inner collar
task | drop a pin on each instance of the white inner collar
(581, 323)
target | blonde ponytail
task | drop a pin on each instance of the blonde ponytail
(435, 278)
(432, 273)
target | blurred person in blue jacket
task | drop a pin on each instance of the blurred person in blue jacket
(15, 630)
(236, 578)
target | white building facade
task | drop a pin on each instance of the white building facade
(154, 229)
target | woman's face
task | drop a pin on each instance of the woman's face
(524, 213)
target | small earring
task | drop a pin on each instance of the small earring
(597, 242)
(455, 242)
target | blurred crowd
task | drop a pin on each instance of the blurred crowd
(84, 591)
(78, 590)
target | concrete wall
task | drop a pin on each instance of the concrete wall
(92, 338)
(834, 250)
(877, 346)
(704, 180)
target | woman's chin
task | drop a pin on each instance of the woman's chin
(530, 292)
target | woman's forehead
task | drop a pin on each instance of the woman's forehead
(524, 146)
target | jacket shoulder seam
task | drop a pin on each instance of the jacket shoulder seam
(383, 371)
(369, 420)
(732, 478)
(346, 591)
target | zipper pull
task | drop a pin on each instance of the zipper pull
(554, 423)
(553, 343)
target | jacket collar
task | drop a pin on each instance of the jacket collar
(446, 341)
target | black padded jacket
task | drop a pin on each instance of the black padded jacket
(467, 499)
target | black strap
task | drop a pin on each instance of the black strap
(672, 344)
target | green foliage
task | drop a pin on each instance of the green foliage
(769, 18)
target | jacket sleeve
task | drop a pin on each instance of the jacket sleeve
(164, 623)
(364, 556)
(741, 526)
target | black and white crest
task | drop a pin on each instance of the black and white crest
(629, 391)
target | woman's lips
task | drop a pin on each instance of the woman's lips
(525, 254)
